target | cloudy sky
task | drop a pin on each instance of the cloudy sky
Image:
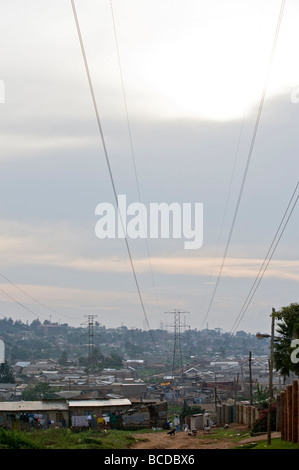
(178, 86)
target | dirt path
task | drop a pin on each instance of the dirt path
(161, 440)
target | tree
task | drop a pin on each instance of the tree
(262, 397)
(288, 329)
(113, 361)
(190, 410)
(63, 359)
(6, 375)
(38, 392)
(94, 362)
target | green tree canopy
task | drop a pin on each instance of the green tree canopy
(38, 392)
(6, 375)
(63, 358)
(288, 329)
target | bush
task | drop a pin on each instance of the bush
(190, 410)
(261, 424)
(12, 440)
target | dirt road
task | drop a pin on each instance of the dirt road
(161, 440)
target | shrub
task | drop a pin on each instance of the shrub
(12, 440)
(261, 424)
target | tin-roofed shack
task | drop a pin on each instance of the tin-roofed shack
(145, 414)
(80, 414)
(104, 413)
(21, 415)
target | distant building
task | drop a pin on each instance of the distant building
(50, 329)
(21, 415)
(82, 413)
(2, 352)
(225, 364)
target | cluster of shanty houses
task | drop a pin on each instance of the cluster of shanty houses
(120, 413)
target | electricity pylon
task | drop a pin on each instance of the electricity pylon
(90, 326)
(177, 360)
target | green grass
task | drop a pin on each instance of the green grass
(230, 433)
(116, 439)
(66, 439)
(236, 436)
(276, 444)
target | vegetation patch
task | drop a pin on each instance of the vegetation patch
(276, 443)
(229, 433)
(14, 440)
(66, 439)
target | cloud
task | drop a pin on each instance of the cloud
(38, 145)
(233, 268)
(183, 80)
(59, 246)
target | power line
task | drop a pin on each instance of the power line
(19, 303)
(33, 298)
(248, 157)
(106, 155)
(228, 194)
(265, 263)
(131, 139)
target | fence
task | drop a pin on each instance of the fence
(239, 413)
(289, 413)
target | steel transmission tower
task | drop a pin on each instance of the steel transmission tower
(90, 325)
(177, 360)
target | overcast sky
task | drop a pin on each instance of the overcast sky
(178, 86)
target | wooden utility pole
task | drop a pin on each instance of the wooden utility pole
(236, 388)
(250, 379)
(271, 376)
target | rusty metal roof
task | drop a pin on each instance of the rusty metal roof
(99, 403)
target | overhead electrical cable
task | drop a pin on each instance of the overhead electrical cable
(253, 139)
(265, 264)
(34, 299)
(19, 303)
(228, 194)
(107, 157)
(131, 140)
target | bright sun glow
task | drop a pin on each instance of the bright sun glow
(218, 70)
(219, 83)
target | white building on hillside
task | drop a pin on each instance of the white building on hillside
(2, 351)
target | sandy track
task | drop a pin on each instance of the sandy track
(161, 440)
(181, 440)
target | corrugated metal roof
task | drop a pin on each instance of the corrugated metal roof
(22, 364)
(24, 406)
(99, 403)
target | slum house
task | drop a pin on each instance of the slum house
(104, 413)
(61, 413)
(145, 414)
(8, 391)
(37, 367)
(83, 413)
(129, 389)
(21, 415)
(123, 390)
(198, 421)
(117, 413)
